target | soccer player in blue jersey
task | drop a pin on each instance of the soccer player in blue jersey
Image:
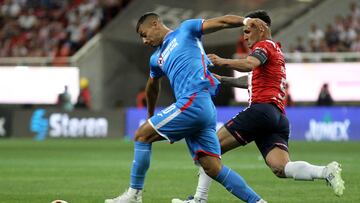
(181, 57)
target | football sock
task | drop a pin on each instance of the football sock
(301, 170)
(141, 163)
(235, 184)
(203, 186)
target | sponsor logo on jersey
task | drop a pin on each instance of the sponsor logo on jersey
(165, 54)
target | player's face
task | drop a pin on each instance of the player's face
(150, 34)
(251, 35)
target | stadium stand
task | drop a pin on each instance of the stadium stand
(325, 32)
(341, 35)
(51, 28)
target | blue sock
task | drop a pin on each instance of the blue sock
(141, 163)
(235, 184)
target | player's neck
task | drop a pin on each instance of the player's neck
(164, 32)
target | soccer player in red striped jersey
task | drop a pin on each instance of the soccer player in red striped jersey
(264, 120)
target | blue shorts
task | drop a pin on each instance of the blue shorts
(192, 118)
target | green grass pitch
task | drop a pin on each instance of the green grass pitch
(86, 171)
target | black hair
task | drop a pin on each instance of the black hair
(144, 17)
(261, 14)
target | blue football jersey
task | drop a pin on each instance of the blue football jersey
(181, 57)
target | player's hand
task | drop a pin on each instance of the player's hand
(217, 76)
(215, 59)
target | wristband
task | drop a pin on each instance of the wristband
(246, 20)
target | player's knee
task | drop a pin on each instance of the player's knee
(211, 165)
(140, 136)
(212, 170)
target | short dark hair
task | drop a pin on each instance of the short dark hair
(144, 17)
(261, 14)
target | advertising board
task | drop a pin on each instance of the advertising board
(307, 123)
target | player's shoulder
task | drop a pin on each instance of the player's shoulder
(154, 57)
(155, 54)
(191, 23)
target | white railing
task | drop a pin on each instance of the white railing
(34, 61)
(290, 57)
(299, 57)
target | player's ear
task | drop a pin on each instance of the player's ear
(154, 23)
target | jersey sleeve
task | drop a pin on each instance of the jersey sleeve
(155, 70)
(260, 52)
(193, 26)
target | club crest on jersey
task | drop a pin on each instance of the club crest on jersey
(160, 61)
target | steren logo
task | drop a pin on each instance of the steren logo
(61, 125)
(328, 130)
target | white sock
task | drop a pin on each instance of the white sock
(301, 170)
(203, 186)
(132, 191)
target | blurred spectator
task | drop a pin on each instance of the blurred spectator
(141, 99)
(315, 34)
(313, 47)
(300, 44)
(325, 98)
(348, 35)
(355, 10)
(332, 37)
(27, 20)
(355, 47)
(64, 100)
(84, 100)
(339, 23)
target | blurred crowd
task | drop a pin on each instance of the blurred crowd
(343, 35)
(52, 28)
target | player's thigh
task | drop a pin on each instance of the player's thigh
(243, 128)
(277, 133)
(267, 142)
(204, 142)
(227, 140)
(186, 117)
(146, 133)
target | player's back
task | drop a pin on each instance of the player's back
(268, 81)
(182, 59)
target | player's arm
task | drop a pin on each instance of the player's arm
(230, 21)
(242, 65)
(240, 82)
(152, 91)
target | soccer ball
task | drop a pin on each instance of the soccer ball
(59, 201)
